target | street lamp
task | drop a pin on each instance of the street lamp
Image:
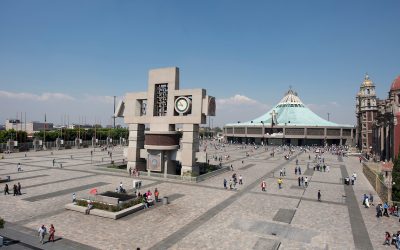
(262, 132)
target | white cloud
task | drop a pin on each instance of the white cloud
(238, 108)
(238, 100)
(102, 99)
(29, 96)
(57, 106)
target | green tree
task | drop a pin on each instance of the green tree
(396, 179)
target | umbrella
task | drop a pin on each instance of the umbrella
(93, 191)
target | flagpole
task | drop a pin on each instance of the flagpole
(44, 134)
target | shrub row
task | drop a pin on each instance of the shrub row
(107, 207)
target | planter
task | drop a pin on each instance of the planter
(106, 214)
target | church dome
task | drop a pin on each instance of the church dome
(396, 84)
(367, 81)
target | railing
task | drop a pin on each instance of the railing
(184, 177)
(25, 146)
(384, 192)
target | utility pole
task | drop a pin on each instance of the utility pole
(44, 133)
(114, 112)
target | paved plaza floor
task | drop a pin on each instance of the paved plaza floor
(200, 215)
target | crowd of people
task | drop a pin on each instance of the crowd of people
(16, 189)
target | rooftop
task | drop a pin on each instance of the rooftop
(291, 111)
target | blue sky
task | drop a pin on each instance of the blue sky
(69, 57)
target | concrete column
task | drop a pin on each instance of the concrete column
(189, 147)
(136, 142)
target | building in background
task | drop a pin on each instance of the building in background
(30, 127)
(366, 111)
(386, 125)
(290, 122)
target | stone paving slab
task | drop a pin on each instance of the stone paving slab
(199, 211)
(65, 191)
(284, 215)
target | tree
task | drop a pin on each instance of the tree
(396, 179)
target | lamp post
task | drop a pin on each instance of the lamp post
(284, 132)
(263, 132)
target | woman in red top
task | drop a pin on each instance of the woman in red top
(52, 230)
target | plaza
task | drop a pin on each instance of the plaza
(200, 215)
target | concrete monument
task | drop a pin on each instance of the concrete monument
(164, 124)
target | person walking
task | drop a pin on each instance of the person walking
(385, 209)
(299, 170)
(15, 190)
(284, 171)
(52, 230)
(306, 181)
(319, 195)
(230, 183)
(295, 170)
(280, 183)
(73, 198)
(19, 188)
(371, 199)
(41, 233)
(6, 189)
(299, 179)
(240, 180)
(19, 169)
(263, 185)
(225, 181)
(302, 180)
(281, 172)
(54, 162)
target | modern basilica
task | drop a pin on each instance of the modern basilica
(290, 122)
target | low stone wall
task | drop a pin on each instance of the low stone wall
(106, 214)
(373, 178)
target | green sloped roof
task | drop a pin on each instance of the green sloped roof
(290, 111)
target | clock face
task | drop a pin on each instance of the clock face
(182, 104)
(154, 163)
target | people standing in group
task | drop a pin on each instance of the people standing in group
(230, 183)
(54, 162)
(302, 180)
(299, 179)
(6, 189)
(225, 182)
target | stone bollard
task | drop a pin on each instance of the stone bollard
(165, 200)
